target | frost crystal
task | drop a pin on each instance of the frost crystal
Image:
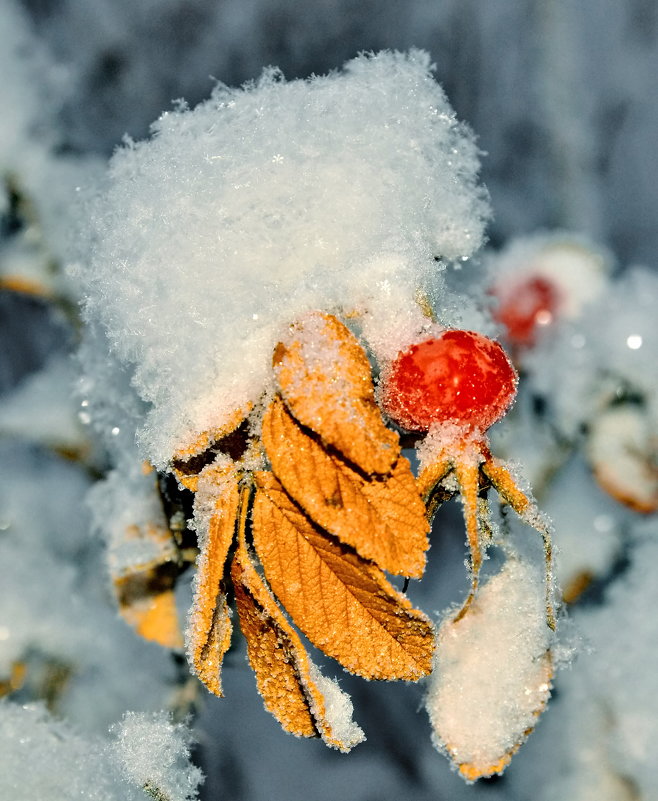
(154, 754)
(150, 756)
(237, 217)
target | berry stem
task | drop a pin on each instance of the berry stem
(468, 477)
(508, 490)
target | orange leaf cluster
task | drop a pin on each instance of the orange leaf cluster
(337, 508)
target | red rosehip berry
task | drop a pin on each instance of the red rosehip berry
(525, 306)
(459, 376)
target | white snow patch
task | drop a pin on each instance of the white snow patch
(493, 671)
(262, 204)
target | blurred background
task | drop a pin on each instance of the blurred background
(562, 97)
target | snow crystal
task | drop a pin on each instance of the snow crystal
(492, 673)
(154, 754)
(43, 758)
(338, 710)
(262, 204)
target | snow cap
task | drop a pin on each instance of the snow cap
(236, 218)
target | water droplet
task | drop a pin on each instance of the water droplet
(634, 341)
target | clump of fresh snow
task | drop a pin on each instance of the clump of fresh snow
(41, 409)
(41, 757)
(338, 710)
(493, 672)
(622, 448)
(261, 204)
(24, 66)
(125, 506)
(46, 180)
(154, 754)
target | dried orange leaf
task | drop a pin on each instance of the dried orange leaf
(26, 286)
(343, 604)
(209, 626)
(190, 459)
(291, 686)
(623, 451)
(324, 377)
(145, 591)
(154, 617)
(383, 519)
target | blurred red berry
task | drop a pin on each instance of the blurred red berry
(525, 306)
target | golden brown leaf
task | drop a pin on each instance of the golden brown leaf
(286, 678)
(190, 459)
(26, 286)
(324, 377)
(343, 604)
(15, 680)
(209, 629)
(383, 519)
(153, 615)
(145, 591)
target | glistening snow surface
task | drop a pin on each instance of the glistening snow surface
(492, 674)
(264, 203)
(148, 753)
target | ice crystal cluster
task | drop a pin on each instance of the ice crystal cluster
(147, 756)
(264, 203)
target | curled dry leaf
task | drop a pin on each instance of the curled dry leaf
(287, 679)
(340, 506)
(623, 452)
(324, 377)
(145, 593)
(189, 460)
(493, 673)
(381, 517)
(209, 625)
(343, 604)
